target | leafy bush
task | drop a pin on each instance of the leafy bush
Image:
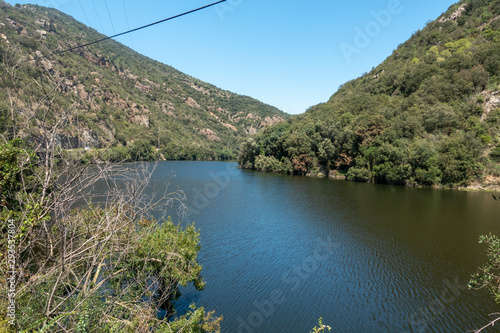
(495, 154)
(359, 174)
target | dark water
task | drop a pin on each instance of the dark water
(278, 252)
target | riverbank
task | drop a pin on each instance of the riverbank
(122, 155)
(490, 184)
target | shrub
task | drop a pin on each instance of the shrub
(359, 174)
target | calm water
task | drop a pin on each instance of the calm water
(278, 252)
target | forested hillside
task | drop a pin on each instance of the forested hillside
(108, 94)
(428, 115)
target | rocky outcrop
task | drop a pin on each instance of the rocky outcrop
(269, 121)
(491, 102)
(192, 103)
(85, 139)
(210, 135)
(455, 15)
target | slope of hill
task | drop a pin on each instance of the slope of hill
(429, 114)
(107, 93)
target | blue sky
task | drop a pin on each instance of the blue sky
(290, 54)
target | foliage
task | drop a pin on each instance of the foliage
(321, 327)
(489, 275)
(421, 117)
(106, 267)
(10, 156)
(119, 97)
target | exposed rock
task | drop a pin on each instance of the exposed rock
(252, 116)
(455, 15)
(251, 130)
(86, 138)
(490, 183)
(28, 7)
(214, 115)
(142, 87)
(132, 76)
(42, 33)
(334, 174)
(231, 127)
(378, 75)
(484, 25)
(141, 120)
(89, 139)
(41, 22)
(210, 134)
(168, 108)
(192, 103)
(491, 102)
(271, 121)
(47, 65)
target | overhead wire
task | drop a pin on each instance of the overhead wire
(109, 15)
(84, 14)
(129, 31)
(97, 14)
(128, 22)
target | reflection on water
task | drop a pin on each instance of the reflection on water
(278, 252)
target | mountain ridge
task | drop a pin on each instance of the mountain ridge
(427, 115)
(121, 96)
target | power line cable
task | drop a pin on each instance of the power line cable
(98, 18)
(84, 14)
(109, 15)
(129, 31)
(128, 22)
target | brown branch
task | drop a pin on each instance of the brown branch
(492, 323)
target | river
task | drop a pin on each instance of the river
(278, 252)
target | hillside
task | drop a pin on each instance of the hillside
(108, 94)
(428, 115)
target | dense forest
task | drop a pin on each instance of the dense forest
(112, 96)
(428, 115)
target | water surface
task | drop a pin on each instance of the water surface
(278, 252)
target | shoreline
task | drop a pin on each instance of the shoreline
(474, 187)
(335, 175)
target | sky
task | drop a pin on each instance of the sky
(287, 53)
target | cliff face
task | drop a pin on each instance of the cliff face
(428, 115)
(108, 93)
